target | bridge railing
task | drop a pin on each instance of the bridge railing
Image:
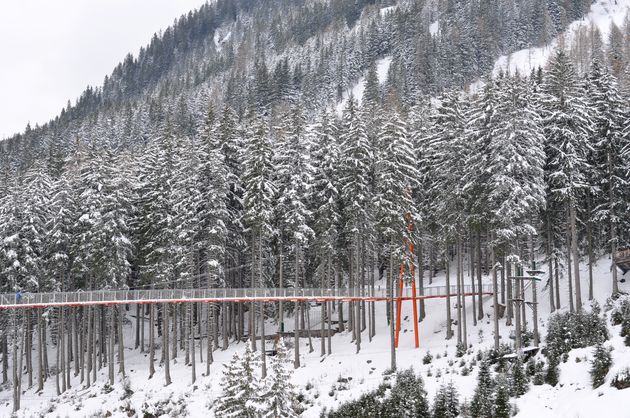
(219, 294)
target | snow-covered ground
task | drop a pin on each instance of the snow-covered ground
(601, 15)
(382, 67)
(573, 397)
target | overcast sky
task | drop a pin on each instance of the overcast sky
(51, 50)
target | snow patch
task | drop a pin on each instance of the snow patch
(387, 10)
(434, 28)
(382, 68)
(220, 39)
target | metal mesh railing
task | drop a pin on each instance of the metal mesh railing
(217, 295)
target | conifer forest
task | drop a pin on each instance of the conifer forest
(351, 146)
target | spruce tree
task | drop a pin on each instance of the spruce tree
(446, 404)
(518, 379)
(278, 397)
(502, 408)
(407, 398)
(600, 365)
(482, 402)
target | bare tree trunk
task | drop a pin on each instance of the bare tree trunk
(62, 343)
(421, 305)
(495, 298)
(390, 305)
(165, 343)
(550, 256)
(89, 350)
(613, 228)
(40, 352)
(5, 358)
(479, 284)
(151, 340)
(471, 275)
(121, 342)
(192, 348)
(280, 303)
(459, 292)
(137, 344)
(576, 259)
(329, 327)
(29, 347)
(569, 234)
(112, 339)
(462, 287)
(509, 305)
(449, 325)
(262, 310)
(296, 330)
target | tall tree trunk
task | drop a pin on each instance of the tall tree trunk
(576, 258)
(165, 344)
(62, 343)
(151, 340)
(193, 368)
(550, 256)
(479, 284)
(449, 325)
(112, 339)
(458, 274)
(613, 226)
(463, 293)
(471, 275)
(569, 234)
(421, 304)
(390, 305)
(121, 341)
(510, 294)
(89, 350)
(262, 310)
(40, 352)
(296, 330)
(495, 298)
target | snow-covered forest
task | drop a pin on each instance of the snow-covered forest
(223, 156)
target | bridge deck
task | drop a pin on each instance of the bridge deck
(125, 297)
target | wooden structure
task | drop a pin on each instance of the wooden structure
(622, 259)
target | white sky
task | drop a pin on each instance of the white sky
(50, 50)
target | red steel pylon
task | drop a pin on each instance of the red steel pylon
(412, 269)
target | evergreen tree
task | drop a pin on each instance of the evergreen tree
(278, 398)
(241, 387)
(482, 404)
(408, 397)
(518, 379)
(502, 408)
(600, 365)
(446, 404)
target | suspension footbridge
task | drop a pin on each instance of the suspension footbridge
(219, 295)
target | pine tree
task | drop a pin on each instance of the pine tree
(408, 397)
(600, 365)
(278, 398)
(567, 127)
(502, 408)
(518, 379)
(482, 402)
(608, 167)
(446, 403)
(241, 387)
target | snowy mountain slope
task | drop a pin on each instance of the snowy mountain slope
(601, 15)
(319, 377)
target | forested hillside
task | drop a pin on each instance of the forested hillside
(214, 158)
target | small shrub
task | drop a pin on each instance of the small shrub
(428, 357)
